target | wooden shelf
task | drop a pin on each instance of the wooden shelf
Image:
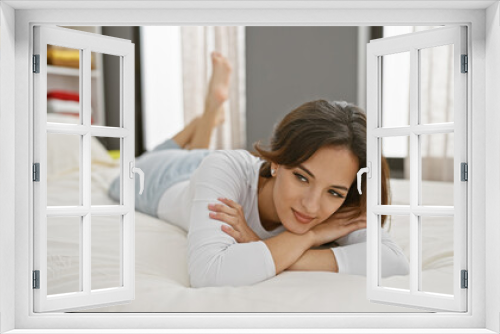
(68, 71)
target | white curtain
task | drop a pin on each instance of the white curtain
(197, 44)
(437, 103)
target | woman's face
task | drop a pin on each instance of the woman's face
(306, 195)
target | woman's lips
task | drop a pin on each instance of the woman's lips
(301, 218)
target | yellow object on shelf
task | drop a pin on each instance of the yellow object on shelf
(115, 154)
(60, 56)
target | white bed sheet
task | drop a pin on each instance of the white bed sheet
(162, 283)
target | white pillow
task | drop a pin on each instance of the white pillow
(63, 152)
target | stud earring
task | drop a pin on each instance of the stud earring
(273, 171)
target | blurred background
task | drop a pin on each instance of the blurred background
(275, 69)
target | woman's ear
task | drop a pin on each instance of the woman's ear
(274, 168)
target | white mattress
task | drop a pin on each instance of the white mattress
(162, 283)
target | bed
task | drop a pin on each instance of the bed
(162, 283)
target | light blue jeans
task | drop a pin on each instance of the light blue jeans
(164, 166)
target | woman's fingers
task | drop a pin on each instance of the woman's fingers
(230, 212)
(347, 218)
(222, 216)
(228, 230)
(357, 225)
(231, 232)
(353, 221)
(346, 214)
(222, 208)
(230, 207)
(231, 204)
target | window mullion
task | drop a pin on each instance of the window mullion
(426, 129)
(414, 172)
(85, 96)
(96, 131)
(429, 211)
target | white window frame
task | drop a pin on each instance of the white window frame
(16, 229)
(124, 51)
(412, 44)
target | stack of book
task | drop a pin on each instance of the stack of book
(64, 102)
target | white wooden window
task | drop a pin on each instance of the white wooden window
(76, 220)
(415, 127)
(16, 206)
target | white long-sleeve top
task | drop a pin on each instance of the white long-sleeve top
(214, 257)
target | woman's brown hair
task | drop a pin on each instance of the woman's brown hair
(317, 124)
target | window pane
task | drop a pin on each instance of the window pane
(63, 84)
(437, 151)
(398, 228)
(63, 254)
(436, 84)
(396, 151)
(437, 254)
(63, 169)
(102, 149)
(106, 251)
(105, 98)
(396, 89)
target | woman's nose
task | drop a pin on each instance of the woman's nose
(310, 203)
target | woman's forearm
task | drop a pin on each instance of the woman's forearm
(316, 260)
(287, 247)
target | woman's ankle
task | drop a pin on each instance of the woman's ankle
(185, 136)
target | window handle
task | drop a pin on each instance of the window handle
(368, 171)
(139, 171)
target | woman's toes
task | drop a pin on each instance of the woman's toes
(216, 58)
(220, 62)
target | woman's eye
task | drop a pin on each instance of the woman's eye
(300, 177)
(336, 194)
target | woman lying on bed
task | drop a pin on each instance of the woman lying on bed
(249, 218)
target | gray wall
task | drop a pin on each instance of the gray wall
(111, 72)
(112, 88)
(287, 66)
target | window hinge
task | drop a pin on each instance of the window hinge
(465, 64)
(36, 279)
(464, 171)
(36, 63)
(36, 172)
(465, 279)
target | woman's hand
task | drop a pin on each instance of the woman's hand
(338, 225)
(232, 214)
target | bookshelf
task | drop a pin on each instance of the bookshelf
(68, 79)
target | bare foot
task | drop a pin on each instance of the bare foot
(218, 87)
(220, 116)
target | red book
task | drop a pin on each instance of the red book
(63, 95)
